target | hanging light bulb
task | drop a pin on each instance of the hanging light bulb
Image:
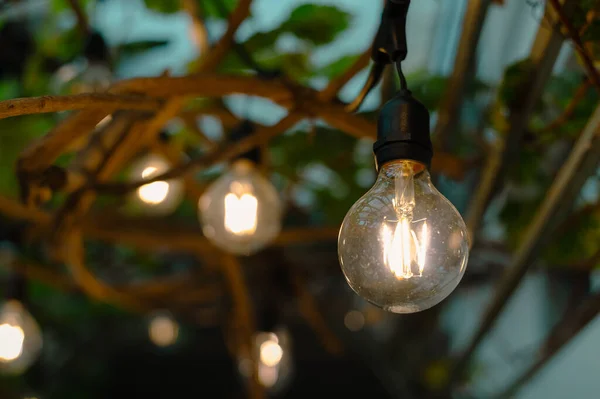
(163, 330)
(241, 211)
(20, 338)
(157, 198)
(403, 246)
(89, 74)
(273, 352)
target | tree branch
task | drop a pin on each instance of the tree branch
(335, 85)
(82, 20)
(47, 104)
(588, 63)
(582, 161)
(220, 50)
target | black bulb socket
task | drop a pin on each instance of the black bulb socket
(244, 129)
(95, 49)
(403, 131)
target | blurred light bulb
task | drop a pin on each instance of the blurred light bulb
(163, 330)
(20, 338)
(95, 78)
(270, 353)
(403, 246)
(273, 352)
(354, 320)
(157, 198)
(241, 211)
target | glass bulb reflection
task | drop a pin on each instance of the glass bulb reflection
(157, 198)
(403, 246)
(20, 338)
(241, 211)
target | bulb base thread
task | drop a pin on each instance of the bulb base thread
(403, 131)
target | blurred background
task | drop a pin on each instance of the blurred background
(490, 72)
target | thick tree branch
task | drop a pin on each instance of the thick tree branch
(82, 20)
(47, 104)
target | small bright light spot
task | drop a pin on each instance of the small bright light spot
(153, 193)
(270, 353)
(11, 342)
(354, 320)
(105, 121)
(163, 331)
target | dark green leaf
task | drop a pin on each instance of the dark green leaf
(131, 49)
(163, 6)
(317, 24)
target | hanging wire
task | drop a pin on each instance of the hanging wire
(374, 77)
(403, 84)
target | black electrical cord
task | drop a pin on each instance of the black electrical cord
(389, 47)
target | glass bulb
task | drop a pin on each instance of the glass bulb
(95, 78)
(159, 198)
(163, 330)
(241, 211)
(274, 355)
(403, 246)
(20, 338)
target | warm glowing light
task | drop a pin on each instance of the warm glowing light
(402, 249)
(163, 331)
(241, 210)
(267, 376)
(153, 193)
(11, 342)
(270, 353)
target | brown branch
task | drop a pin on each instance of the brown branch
(82, 20)
(542, 57)
(309, 309)
(47, 104)
(219, 154)
(582, 161)
(189, 119)
(335, 85)
(564, 332)
(243, 317)
(93, 287)
(43, 152)
(462, 76)
(578, 96)
(219, 51)
(206, 85)
(579, 46)
(173, 156)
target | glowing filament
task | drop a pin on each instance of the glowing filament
(11, 342)
(153, 193)
(271, 353)
(241, 213)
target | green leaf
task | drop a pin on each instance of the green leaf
(515, 78)
(338, 66)
(210, 9)
(163, 6)
(317, 24)
(131, 49)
